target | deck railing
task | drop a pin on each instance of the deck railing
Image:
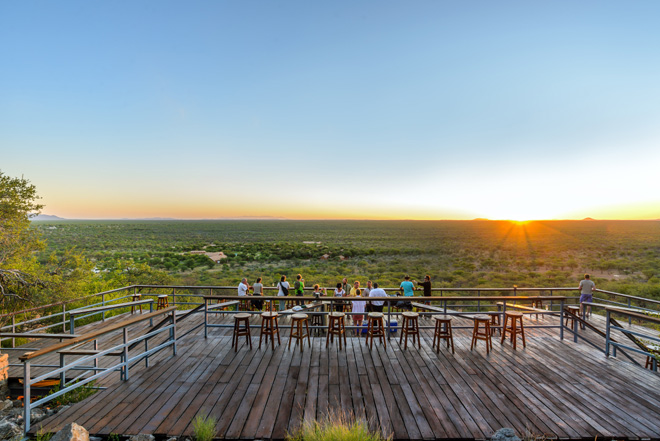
(89, 362)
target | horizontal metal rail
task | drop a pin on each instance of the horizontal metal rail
(82, 363)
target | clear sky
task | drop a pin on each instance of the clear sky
(334, 109)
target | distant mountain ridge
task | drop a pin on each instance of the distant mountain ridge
(46, 217)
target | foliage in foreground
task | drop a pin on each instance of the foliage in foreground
(204, 427)
(336, 426)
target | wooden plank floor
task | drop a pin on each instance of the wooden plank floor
(552, 387)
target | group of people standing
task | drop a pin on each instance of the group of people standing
(342, 289)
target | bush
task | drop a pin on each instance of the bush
(336, 426)
(204, 427)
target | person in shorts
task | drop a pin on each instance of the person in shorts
(587, 288)
(358, 311)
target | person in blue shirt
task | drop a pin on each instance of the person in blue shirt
(408, 290)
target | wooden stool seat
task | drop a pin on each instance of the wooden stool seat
(480, 333)
(410, 326)
(516, 319)
(136, 298)
(238, 331)
(443, 331)
(537, 304)
(574, 310)
(649, 359)
(270, 328)
(336, 327)
(162, 302)
(297, 331)
(495, 324)
(317, 321)
(375, 328)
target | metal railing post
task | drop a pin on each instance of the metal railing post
(629, 318)
(151, 309)
(173, 332)
(607, 334)
(13, 330)
(125, 354)
(146, 349)
(561, 319)
(173, 296)
(26, 396)
(103, 304)
(72, 323)
(63, 373)
(478, 301)
(206, 317)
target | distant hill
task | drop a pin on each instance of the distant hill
(588, 219)
(46, 217)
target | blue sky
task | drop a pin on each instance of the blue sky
(343, 109)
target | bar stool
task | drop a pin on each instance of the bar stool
(443, 331)
(297, 331)
(480, 333)
(537, 304)
(495, 324)
(162, 302)
(239, 319)
(375, 328)
(289, 304)
(336, 327)
(574, 310)
(649, 359)
(513, 329)
(317, 320)
(410, 326)
(136, 298)
(270, 327)
(243, 305)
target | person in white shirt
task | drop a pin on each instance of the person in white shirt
(339, 292)
(243, 287)
(377, 306)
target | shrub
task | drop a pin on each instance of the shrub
(204, 427)
(336, 426)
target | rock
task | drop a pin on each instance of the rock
(142, 437)
(6, 405)
(174, 438)
(95, 438)
(71, 432)
(9, 430)
(505, 434)
(37, 415)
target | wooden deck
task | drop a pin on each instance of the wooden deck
(553, 388)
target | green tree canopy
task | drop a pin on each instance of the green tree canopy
(18, 242)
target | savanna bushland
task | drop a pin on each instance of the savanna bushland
(622, 256)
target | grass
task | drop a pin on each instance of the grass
(336, 426)
(43, 436)
(204, 427)
(75, 395)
